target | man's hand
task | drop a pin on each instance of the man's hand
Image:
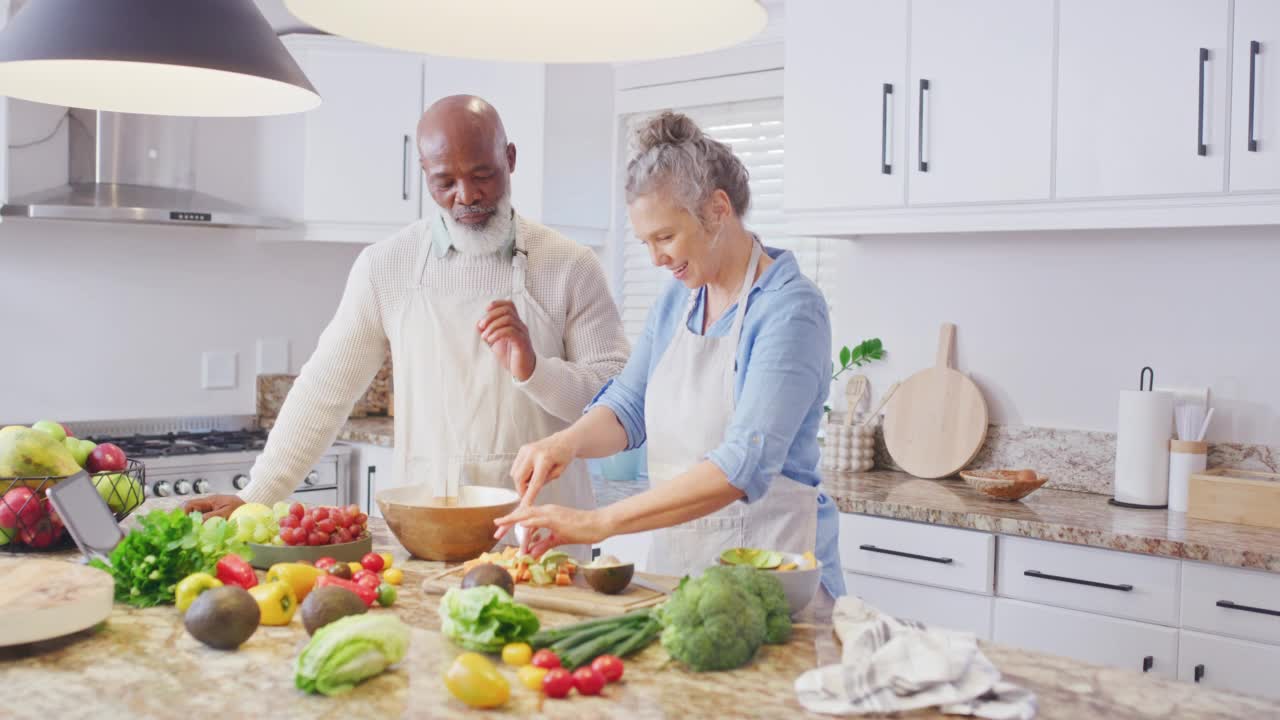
(508, 338)
(220, 505)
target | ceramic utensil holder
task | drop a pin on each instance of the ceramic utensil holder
(847, 448)
(1186, 458)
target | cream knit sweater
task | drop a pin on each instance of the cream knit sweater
(565, 278)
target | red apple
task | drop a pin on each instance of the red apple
(45, 532)
(19, 508)
(107, 457)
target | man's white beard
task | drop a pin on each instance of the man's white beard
(486, 239)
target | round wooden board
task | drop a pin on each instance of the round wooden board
(46, 599)
(937, 420)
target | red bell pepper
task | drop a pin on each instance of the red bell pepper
(367, 594)
(233, 570)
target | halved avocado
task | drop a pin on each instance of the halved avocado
(609, 579)
(751, 557)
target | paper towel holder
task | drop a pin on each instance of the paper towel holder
(1146, 383)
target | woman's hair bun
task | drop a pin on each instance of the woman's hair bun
(668, 128)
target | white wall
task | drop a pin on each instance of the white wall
(1052, 325)
(109, 321)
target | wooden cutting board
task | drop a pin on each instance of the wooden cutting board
(46, 599)
(1241, 497)
(578, 598)
(937, 420)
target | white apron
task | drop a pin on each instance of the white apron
(459, 417)
(688, 408)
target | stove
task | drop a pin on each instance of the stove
(213, 456)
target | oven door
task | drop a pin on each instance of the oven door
(320, 496)
(321, 485)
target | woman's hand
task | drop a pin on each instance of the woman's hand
(539, 463)
(564, 525)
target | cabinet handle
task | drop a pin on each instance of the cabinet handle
(886, 91)
(1201, 148)
(924, 163)
(1255, 47)
(1199, 673)
(404, 170)
(1232, 606)
(899, 553)
(1148, 662)
(1077, 581)
(368, 490)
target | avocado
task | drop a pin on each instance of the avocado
(609, 579)
(326, 604)
(223, 617)
(489, 574)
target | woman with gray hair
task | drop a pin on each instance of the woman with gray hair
(726, 386)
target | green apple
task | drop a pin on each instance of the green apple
(6, 534)
(53, 428)
(121, 492)
(80, 449)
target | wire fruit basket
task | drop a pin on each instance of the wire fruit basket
(29, 523)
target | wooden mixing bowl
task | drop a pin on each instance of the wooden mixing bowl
(433, 529)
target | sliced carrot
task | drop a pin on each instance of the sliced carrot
(563, 579)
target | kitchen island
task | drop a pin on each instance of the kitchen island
(142, 663)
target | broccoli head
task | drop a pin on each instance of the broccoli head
(713, 622)
(774, 599)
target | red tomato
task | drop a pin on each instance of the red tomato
(369, 581)
(364, 573)
(557, 682)
(297, 510)
(372, 562)
(608, 666)
(588, 681)
(545, 658)
(325, 563)
(326, 526)
(321, 514)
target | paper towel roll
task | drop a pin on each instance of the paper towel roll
(1143, 431)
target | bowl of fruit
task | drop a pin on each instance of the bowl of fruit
(34, 459)
(292, 532)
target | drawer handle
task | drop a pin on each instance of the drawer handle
(1077, 581)
(1199, 673)
(1201, 148)
(899, 553)
(1232, 606)
(1148, 662)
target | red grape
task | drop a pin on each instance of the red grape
(297, 510)
(320, 513)
(288, 521)
(307, 524)
(344, 535)
(333, 538)
(317, 538)
(361, 519)
(339, 518)
(326, 526)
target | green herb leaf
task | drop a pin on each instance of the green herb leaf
(845, 356)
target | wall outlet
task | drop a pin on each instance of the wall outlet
(273, 356)
(218, 370)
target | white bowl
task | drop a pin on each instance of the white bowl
(799, 585)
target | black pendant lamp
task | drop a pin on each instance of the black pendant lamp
(210, 58)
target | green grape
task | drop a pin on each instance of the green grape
(261, 534)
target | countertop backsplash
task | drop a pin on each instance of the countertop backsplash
(376, 401)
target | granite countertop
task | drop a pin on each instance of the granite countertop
(1058, 515)
(375, 430)
(142, 663)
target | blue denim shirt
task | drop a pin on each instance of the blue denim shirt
(784, 372)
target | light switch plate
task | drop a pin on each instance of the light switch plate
(218, 370)
(273, 356)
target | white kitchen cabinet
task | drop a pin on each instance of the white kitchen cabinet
(981, 101)
(578, 180)
(1255, 96)
(1092, 638)
(845, 103)
(1142, 97)
(1231, 601)
(929, 605)
(353, 160)
(518, 92)
(372, 471)
(1228, 664)
(918, 552)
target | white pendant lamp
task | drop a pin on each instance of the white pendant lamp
(553, 31)
(211, 58)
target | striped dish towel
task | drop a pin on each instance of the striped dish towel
(891, 665)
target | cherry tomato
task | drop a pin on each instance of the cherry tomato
(355, 567)
(325, 563)
(370, 581)
(339, 570)
(557, 682)
(297, 510)
(516, 654)
(387, 594)
(531, 676)
(364, 574)
(475, 681)
(395, 576)
(588, 681)
(546, 659)
(372, 562)
(387, 560)
(608, 666)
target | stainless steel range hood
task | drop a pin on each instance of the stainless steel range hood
(134, 169)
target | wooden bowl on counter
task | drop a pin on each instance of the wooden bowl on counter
(1003, 484)
(448, 529)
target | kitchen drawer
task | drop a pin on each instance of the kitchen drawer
(1084, 636)
(919, 553)
(1125, 585)
(1255, 594)
(932, 606)
(1228, 664)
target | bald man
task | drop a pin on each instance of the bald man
(501, 332)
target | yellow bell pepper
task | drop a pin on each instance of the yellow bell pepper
(302, 578)
(190, 588)
(276, 602)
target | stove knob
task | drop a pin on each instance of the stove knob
(182, 487)
(311, 478)
(161, 489)
(201, 486)
(239, 481)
